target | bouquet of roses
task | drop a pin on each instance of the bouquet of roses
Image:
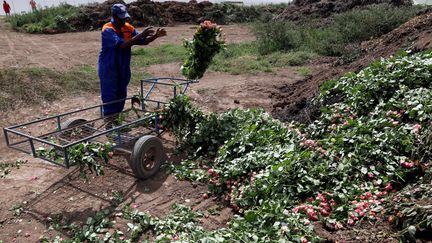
(206, 43)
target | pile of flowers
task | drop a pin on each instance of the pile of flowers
(206, 43)
(362, 160)
(369, 145)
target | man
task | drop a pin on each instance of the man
(6, 8)
(33, 5)
(118, 37)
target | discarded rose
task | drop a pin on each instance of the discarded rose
(206, 43)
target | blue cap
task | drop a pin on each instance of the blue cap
(120, 11)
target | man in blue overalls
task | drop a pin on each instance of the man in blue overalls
(118, 37)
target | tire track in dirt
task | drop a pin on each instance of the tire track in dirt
(61, 52)
(19, 48)
(50, 56)
(6, 54)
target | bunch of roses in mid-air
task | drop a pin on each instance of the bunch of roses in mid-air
(206, 43)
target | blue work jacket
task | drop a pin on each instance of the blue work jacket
(114, 65)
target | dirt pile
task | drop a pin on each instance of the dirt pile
(415, 35)
(146, 12)
(301, 9)
(293, 101)
(143, 13)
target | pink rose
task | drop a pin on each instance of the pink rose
(309, 143)
(324, 212)
(416, 128)
(321, 197)
(407, 165)
(388, 187)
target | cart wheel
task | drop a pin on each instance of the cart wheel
(79, 132)
(147, 156)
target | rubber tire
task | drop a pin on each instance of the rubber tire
(72, 122)
(147, 145)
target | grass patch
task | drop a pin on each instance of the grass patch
(166, 53)
(304, 71)
(238, 58)
(350, 27)
(245, 58)
(34, 85)
(226, 13)
(373, 21)
(52, 19)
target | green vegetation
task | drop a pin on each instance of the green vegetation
(34, 85)
(89, 157)
(366, 159)
(373, 21)
(68, 18)
(338, 170)
(330, 39)
(48, 20)
(166, 53)
(235, 59)
(231, 61)
(244, 58)
(231, 13)
(281, 44)
(304, 71)
(6, 167)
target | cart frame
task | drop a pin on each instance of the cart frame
(27, 142)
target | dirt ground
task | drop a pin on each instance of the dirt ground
(45, 191)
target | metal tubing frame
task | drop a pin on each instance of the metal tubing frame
(67, 113)
(31, 139)
(64, 148)
(106, 132)
(6, 137)
(154, 81)
(149, 91)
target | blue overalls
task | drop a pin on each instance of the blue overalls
(114, 66)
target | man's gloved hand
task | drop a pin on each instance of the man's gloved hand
(160, 32)
(148, 31)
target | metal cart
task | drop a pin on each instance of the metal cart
(135, 131)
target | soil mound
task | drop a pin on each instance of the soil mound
(147, 12)
(143, 13)
(293, 101)
(416, 35)
(300, 9)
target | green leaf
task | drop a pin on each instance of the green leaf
(250, 216)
